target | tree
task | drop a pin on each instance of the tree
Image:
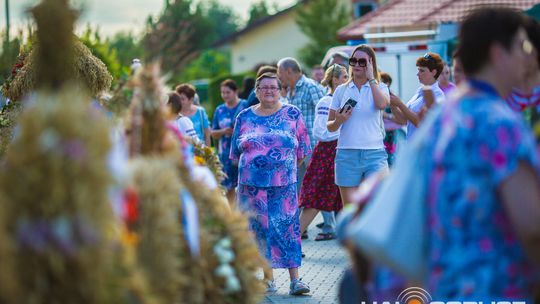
(8, 57)
(126, 46)
(178, 36)
(257, 11)
(210, 64)
(320, 21)
(223, 20)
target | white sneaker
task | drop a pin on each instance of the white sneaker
(298, 287)
(271, 286)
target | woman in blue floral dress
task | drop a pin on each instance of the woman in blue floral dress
(483, 193)
(222, 128)
(269, 140)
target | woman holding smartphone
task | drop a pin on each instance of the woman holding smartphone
(357, 109)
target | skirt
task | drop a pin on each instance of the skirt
(274, 219)
(319, 190)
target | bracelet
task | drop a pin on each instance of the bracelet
(372, 81)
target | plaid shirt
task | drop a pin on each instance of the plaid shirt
(307, 94)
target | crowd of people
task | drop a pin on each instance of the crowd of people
(292, 146)
(298, 145)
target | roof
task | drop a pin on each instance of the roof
(258, 24)
(410, 13)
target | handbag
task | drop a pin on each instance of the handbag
(392, 228)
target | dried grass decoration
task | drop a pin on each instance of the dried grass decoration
(227, 278)
(157, 226)
(222, 232)
(57, 211)
(88, 69)
(206, 156)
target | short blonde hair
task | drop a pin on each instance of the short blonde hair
(335, 70)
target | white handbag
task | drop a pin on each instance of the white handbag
(392, 228)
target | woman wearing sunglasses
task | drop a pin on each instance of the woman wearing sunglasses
(430, 67)
(357, 108)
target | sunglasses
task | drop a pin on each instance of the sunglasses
(362, 62)
(428, 56)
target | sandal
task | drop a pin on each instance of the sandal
(305, 235)
(325, 236)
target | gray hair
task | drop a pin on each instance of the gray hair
(290, 63)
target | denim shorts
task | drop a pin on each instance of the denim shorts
(353, 165)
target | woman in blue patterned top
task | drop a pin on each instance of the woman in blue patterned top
(222, 129)
(483, 198)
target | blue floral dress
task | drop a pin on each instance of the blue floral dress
(224, 117)
(268, 149)
(476, 143)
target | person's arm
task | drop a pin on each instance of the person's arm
(304, 144)
(218, 133)
(336, 119)
(401, 111)
(207, 138)
(520, 196)
(381, 100)
(399, 117)
(379, 97)
(206, 127)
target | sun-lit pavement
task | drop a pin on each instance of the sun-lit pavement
(322, 269)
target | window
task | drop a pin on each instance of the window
(362, 8)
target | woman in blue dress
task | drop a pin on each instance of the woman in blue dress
(222, 129)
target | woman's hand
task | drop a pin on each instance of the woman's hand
(228, 131)
(394, 100)
(342, 117)
(369, 70)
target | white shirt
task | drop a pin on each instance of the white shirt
(320, 129)
(416, 103)
(365, 128)
(185, 125)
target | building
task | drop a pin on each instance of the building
(276, 36)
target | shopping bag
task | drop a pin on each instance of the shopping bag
(392, 228)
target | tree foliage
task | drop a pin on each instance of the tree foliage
(320, 21)
(223, 20)
(210, 64)
(257, 11)
(127, 47)
(178, 35)
(8, 57)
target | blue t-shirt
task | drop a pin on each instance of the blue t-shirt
(200, 122)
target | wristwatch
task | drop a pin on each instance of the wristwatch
(372, 81)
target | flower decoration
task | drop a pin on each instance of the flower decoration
(225, 254)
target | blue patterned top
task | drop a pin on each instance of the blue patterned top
(474, 252)
(268, 147)
(224, 117)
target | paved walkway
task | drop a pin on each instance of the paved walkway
(322, 269)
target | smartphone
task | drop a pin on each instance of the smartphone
(351, 103)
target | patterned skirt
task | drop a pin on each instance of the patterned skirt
(319, 190)
(274, 219)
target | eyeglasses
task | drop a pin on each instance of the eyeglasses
(273, 89)
(362, 62)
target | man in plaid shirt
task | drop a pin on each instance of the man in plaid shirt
(303, 92)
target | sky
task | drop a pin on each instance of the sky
(118, 15)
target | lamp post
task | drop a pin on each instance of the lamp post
(7, 21)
